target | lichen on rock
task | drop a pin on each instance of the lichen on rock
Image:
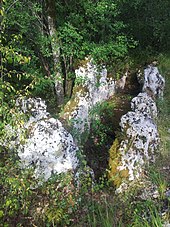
(154, 83)
(141, 143)
(136, 150)
(141, 134)
(143, 103)
(48, 147)
(114, 174)
(92, 87)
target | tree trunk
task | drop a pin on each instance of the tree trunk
(51, 18)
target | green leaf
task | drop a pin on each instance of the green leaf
(1, 213)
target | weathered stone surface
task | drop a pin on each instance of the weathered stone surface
(141, 143)
(92, 87)
(48, 147)
(34, 107)
(154, 83)
(135, 151)
(143, 103)
(120, 84)
(127, 159)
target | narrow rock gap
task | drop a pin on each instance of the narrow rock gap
(100, 140)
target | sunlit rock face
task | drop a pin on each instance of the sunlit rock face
(48, 147)
(127, 159)
(34, 107)
(92, 87)
(141, 143)
(144, 104)
(154, 83)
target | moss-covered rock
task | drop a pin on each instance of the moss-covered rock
(46, 146)
(91, 87)
(115, 175)
(128, 159)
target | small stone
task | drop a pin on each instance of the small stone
(155, 195)
(166, 224)
(167, 193)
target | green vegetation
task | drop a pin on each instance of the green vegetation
(42, 43)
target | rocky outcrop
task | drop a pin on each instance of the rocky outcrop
(144, 104)
(127, 159)
(47, 147)
(92, 87)
(141, 143)
(152, 81)
(120, 84)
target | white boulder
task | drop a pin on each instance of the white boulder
(154, 83)
(141, 143)
(143, 103)
(92, 87)
(48, 147)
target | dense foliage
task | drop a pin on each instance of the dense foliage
(53, 36)
(148, 22)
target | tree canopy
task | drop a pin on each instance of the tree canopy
(43, 41)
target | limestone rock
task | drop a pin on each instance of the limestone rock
(120, 84)
(154, 83)
(92, 87)
(141, 143)
(136, 150)
(48, 147)
(143, 103)
(141, 134)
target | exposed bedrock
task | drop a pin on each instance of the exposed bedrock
(144, 104)
(129, 158)
(46, 146)
(92, 87)
(152, 82)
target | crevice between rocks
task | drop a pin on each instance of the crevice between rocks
(97, 154)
